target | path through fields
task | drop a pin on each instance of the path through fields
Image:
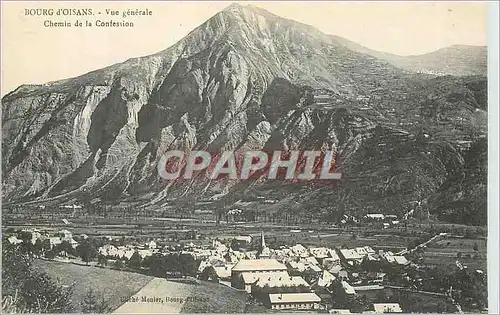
(158, 296)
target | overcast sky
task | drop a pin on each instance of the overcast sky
(35, 54)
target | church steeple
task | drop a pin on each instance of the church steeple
(264, 252)
(263, 241)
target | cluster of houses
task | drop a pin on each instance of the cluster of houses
(286, 278)
(378, 219)
(289, 278)
(126, 251)
(387, 220)
(51, 240)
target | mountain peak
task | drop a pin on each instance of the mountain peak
(258, 18)
(237, 6)
(233, 6)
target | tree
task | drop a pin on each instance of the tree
(25, 236)
(157, 265)
(29, 290)
(135, 261)
(191, 235)
(188, 265)
(26, 246)
(381, 296)
(51, 254)
(46, 245)
(66, 247)
(87, 251)
(118, 264)
(42, 294)
(101, 260)
(93, 304)
(122, 241)
(343, 300)
(15, 267)
(147, 262)
(172, 263)
(89, 302)
(38, 248)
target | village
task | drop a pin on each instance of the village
(333, 279)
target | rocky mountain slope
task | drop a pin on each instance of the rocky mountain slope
(247, 79)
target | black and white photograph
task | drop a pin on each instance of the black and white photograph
(248, 157)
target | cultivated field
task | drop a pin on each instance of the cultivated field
(411, 302)
(469, 252)
(114, 285)
(118, 286)
(171, 297)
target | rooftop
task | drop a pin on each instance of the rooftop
(258, 265)
(250, 278)
(350, 254)
(280, 279)
(387, 308)
(348, 288)
(223, 271)
(401, 260)
(294, 298)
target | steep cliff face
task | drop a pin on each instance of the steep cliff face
(463, 196)
(245, 79)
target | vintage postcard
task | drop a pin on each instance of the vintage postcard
(247, 157)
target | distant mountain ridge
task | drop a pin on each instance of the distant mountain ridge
(458, 60)
(248, 79)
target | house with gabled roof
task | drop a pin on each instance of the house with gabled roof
(300, 250)
(218, 272)
(250, 279)
(14, 240)
(253, 266)
(339, 311)
(350, 256)
(280, 280)
(319, 253)
(365, 250)
(348, 289)
(325, 279)
(294, 301)
(381, 308)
